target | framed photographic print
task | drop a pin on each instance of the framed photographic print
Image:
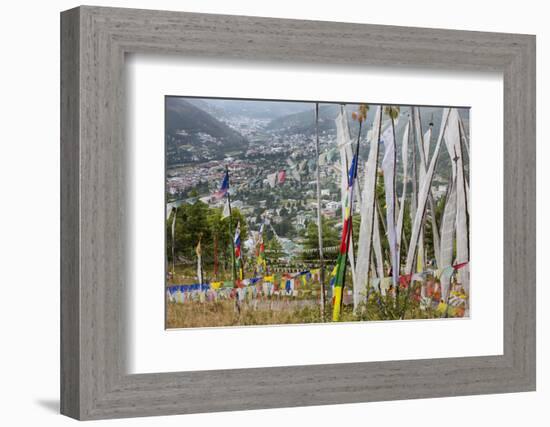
(302, 212)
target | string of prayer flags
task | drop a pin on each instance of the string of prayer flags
(188, 288)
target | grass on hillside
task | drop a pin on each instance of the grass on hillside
(284, 311)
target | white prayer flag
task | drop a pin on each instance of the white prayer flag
(367, 207)
(388, 167)
(377, 245)
(343, 139)
(423, 145)
(423, 196)
(272, 179)
(225, 212)
(454, 147)
(405, 162)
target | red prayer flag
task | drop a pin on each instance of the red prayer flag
(459, 266)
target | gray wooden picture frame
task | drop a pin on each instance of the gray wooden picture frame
(94, 41)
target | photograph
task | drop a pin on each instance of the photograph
(291, 212)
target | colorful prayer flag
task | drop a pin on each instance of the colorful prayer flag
(238, 254)
(261, 262)
(341, 261)
(333, 275)
(224, 187)
(237, 240)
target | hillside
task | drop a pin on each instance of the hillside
(304, 121)
(193, 134)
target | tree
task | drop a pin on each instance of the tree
(274, 250)
(285, 227)
(191, 223)
(194, 221)
(330, 238)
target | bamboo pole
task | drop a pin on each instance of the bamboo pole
(421, 208)
(395, 263)
(424, 161)
(232, 238)
(174, 243)
(216, 255)
(319, 218)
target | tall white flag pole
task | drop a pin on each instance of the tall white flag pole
(422, 201)
(319, 218)
(343, 137)
(405, 162)
(368, 207)
(388, 168)
(174, 242)
(423, 149)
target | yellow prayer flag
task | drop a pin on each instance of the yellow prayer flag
(337, 303)
(420, 262)
(441, 307)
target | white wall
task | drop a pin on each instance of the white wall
(29, 98)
